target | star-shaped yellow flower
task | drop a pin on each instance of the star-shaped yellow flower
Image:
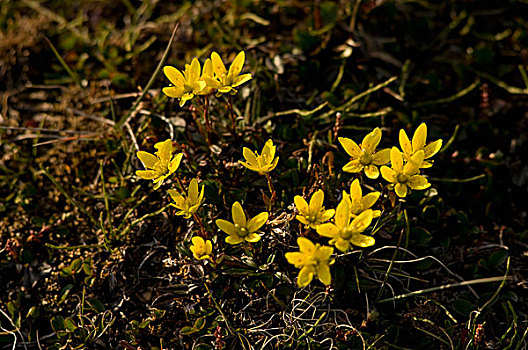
(359, 203)
(186, 85)
(241, 229)
(405, 175)
(188, 206)
(226, 81)
(263, 163)
(419, 144)
(201, 249)
(364, 156)
(159, 165)
(344, 233)
(313, 260)
(313, 214)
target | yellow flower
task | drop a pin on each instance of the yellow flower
(241, 229)
(226, 81)
(201, 249)
(186, 85)
(188, 206)
(418, 144)
(159, 165)
(313, 260)
(359, 203)
(207, 73)
(344, 233)
(405, 175)
(364, 157)
(263, 163)
(313, 214)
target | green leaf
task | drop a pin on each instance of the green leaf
(497, 258)
(70, 325)
(96, 305)
(57, 323)
(199, 323)
(65, 292)
(188, 330)
(463, 307)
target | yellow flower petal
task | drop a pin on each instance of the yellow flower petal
(360, 223)
(327, 230)
(226, 226)
(148, 160)
(238, 214)
(432, 148)
(418, 182)
(327, 215)
(342, 245)
(388, 174)
(396, 159)
(250, 156)
(316, 202)
(401, 190)
(324, 253)
(350, 147)
(371, 141)
(369, 200)
(297, 259)
(252, 237)
(413, 165)
(236, 66)
(193, 73)
(371, 171)
(198, 242)
(362, 241)
(418, 140)
(175, 162)
(242, 79)
(218, 66)
(354, 166)
(301, 205)
(305, 276)
(342, 216)
(355, 190)
(381, 157)
(257, 222)
(405, 143)
(174, 75)
(173, 91)
(164, 152)
(193, 189)
(208, 247)
(323, 273)
(306, 246)
(234, 239)
(146, 174)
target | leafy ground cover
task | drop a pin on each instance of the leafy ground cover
(92, 256)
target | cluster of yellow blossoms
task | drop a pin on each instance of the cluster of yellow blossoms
(344, 226)
(194, 81)
(353, 214)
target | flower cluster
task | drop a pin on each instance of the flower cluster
(345, 227)
(214, 77)
(354, 213)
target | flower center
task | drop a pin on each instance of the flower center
(242, 231)
(161, 169)
(347, 233)
(365, 159)
(402, 178)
